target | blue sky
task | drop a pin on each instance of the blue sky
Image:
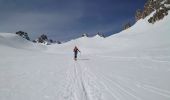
(66, 19)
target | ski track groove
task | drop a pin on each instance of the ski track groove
(150, 88)
(68, 93)
(118, 87)
(107, 88)
(81, 82)
(79, 86)
(89, 83)
(59, 91)
(132, 58)
(140, 84)
(82, 79)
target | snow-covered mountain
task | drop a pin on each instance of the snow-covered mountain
(131, 65)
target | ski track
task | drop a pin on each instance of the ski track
(83, 84)
(123, 84)
(102, 84)
(80, 84)
(153, 89)
(150, 58)
(117, 88)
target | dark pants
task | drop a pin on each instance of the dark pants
(75, 55)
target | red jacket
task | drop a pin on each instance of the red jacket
(76, 49)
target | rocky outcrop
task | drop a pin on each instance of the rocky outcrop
(23, 34)
(160, 14)
(101, 35)
(126, 26)
(159, 6)
(85, 35)
(45, 40)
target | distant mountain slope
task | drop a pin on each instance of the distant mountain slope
(14, 41)
(142, 35)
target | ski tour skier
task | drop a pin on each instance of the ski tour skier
(75, 50)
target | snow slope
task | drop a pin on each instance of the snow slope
(131, 65)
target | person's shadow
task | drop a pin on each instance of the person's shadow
(83, 59)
